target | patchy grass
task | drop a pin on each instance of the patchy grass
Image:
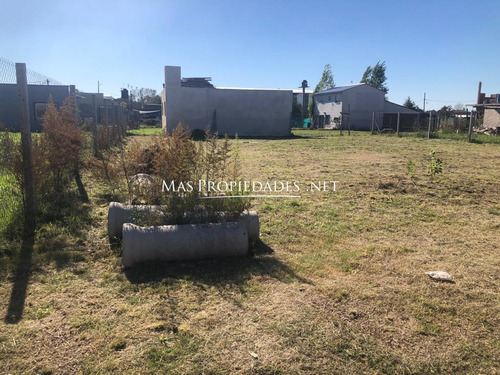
(146, 130)
(475, 137)
(10, 201)
(336, 284)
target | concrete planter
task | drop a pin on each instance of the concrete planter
(119, 214)
(183, 242)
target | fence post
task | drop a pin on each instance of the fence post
(430, 124)
(106, 122)
(94, 127)
(469, 132)
(348, 119)
(25, 127)
(72, 93)
(373, 120)
(397, 127)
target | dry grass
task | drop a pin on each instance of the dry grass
(337, 284)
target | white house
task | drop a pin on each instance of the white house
(355, 106)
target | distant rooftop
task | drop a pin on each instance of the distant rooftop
(199, 82)
(340, 88)
(251, 89)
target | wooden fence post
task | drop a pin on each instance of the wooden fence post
(397, 127)
(94, 127)
(25, 127)
(373, 121)
(430, 124)
(348, 119)
(469, 132)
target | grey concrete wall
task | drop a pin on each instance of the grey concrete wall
(246, 112)
(491, 117)
(363, 100)
(9, 108)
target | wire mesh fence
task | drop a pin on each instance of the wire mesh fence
(8, 75)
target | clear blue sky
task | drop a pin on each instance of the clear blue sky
(443, 48)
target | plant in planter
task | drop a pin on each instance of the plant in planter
(193, 225)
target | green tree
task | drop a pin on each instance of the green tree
(326, 82)
(145, 96)
(445, 112)
(411, 104)
(375, 76)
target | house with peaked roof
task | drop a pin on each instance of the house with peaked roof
(355, 106)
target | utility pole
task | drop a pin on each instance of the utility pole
(424, 101)
(25, 126)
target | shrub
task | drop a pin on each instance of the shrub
(57, 152)
(435, 164)
(181, 162)
(56, 158)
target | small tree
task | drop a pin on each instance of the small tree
(326, 82)
(145, 96)
(411, 104)
(375, 76)
(445, 112)
(59, 149)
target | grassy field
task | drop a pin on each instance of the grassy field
(336, 286)
(146, 130)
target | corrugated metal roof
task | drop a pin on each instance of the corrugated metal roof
(340, 89)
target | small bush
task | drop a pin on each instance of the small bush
(58, 151)
(435, 164)
(56, 157)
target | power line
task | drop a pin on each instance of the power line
(447, 101)
(450, 101)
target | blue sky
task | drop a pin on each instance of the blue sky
(443, 48)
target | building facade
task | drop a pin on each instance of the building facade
(246, 112)
(38, 98)
(356, 106)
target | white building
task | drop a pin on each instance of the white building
(355, 106)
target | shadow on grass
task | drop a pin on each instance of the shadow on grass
(217, 272)
(62, 230)
(20, 279)
(61, 226)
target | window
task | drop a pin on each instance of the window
(40, 109)
(321, 121)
